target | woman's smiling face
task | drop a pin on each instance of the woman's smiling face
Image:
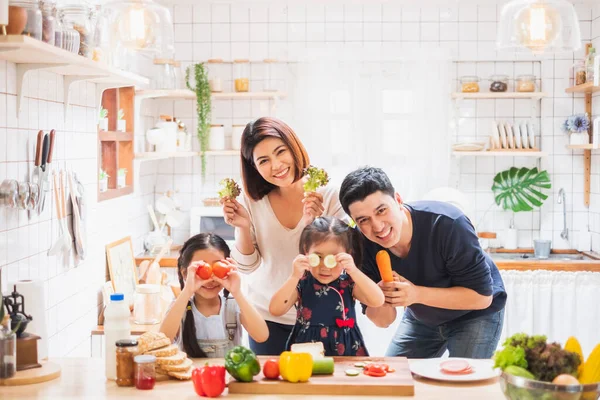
(274, 162)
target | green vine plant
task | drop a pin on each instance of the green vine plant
(203, 107)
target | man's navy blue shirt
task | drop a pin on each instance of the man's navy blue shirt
(444, 253)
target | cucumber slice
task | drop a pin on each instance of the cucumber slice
(352, 372)
(313, 260)
(329, 261)
(360, 365)
(323, 366)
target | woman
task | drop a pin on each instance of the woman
(268, 221)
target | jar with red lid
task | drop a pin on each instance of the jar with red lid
(145, 373)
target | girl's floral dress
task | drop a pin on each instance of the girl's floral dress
(325, 313)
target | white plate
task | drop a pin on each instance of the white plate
(531, 135)
(517, 133)
(430, 368)
(502, 135)
(495, 135)
(469, 146)
(524, 136)
(509, 136)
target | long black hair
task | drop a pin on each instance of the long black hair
(327, 228)
(202, 241)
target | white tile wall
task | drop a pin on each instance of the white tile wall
(73, 292)
(594, 211)
(467, 32)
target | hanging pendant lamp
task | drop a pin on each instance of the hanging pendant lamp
(539, 26)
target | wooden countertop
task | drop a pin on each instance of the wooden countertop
(168, 261)
(531, 264)
(83, 378)
(136, 329)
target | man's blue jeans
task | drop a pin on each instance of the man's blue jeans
(474, 338)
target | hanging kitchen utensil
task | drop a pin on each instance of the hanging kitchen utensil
(47, 153)
(37, 162)
(67, 239)
(75, 219)
(58, 244)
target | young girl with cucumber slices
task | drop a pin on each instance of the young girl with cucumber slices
(324, 285)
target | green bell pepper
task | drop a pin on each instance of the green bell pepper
(242, 364)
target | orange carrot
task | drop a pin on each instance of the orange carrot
(385, 265)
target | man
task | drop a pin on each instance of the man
(452, 290)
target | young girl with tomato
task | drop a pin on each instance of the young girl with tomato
(324, 285)
(201, 321)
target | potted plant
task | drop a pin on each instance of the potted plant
(103, 178)
(577, 126)
(519, 190)
(103, 119)
(121, 123)
(121, 177)
(203, 107)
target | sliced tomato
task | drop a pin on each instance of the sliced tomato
(376, 373)
(453, 366)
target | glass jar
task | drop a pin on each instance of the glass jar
(58, 28)
(499, 83)
(70, 37)
(164, 75)
(241, 75)
(144, 372)
(33, 27)
(526, 83)
(178, 75)
(214, 79)
(8, 350)
(216, 139)
(469, 84)
(77, 17)
(579, 73)
(101, 48)
(146, 308)
(589, 65)
(126, 349)
(48, 21)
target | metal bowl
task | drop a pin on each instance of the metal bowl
(517, 388)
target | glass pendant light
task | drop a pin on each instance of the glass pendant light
(142, 26)
(539, 26)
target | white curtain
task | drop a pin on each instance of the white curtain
(388, 111)
(555, 304)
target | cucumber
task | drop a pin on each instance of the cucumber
(352, 372)
(518, 371)
(360, 365)
(323, 366)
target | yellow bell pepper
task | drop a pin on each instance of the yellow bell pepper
(295, 367)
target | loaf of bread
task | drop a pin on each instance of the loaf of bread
(165, 351)
(151, 341)
(184, 366)
(178, 358)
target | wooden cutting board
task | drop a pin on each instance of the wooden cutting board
(399, 383)
(47, 372)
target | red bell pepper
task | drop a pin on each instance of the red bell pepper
(209, 381)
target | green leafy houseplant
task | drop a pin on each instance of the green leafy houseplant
(120, 114)
(520, 189)
(103, 175)
(103, 113)
(203, 107)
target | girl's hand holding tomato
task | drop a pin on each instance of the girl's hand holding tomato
(194, 278)
(231, 281)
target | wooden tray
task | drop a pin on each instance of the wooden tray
(47, 372)
(399, 383)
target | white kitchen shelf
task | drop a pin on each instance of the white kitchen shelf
(184, 94)
(499, 95)
(152, 156)
(581, 147)
(248, 95)
(516, 153)
(30, 54)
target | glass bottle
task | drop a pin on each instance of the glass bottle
(33, 28)
(58, 28)
(589, 65)
(8, 349)
(48, 21)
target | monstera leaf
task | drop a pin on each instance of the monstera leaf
(519, 189)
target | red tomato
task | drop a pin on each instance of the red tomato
(220, 269)
(376, 370)
(204, 271)
(271, 369)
